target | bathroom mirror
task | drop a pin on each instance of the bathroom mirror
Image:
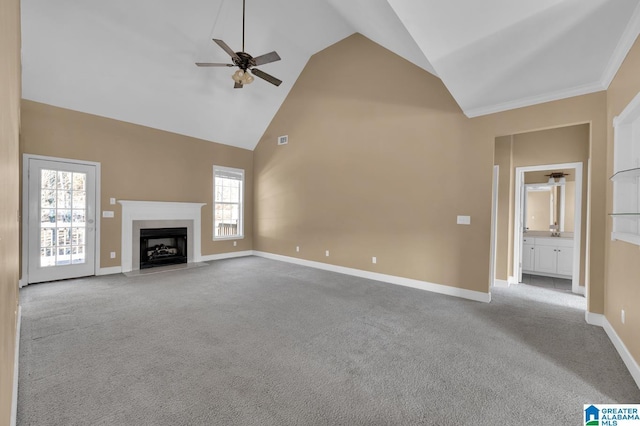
(548, 204)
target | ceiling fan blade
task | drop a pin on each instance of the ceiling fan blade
(267, 58)
(263, 75)
(226, 48)
(237, 86)
(209, 64)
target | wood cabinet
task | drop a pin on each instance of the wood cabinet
(548, 256)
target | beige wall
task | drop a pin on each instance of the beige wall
(623, 259)
(9, 196)
(504, 225)
(132, 157)
(589, 109)
(379, 168)
(377, 165)
(568, 144)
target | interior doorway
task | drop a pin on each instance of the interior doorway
(547, 250)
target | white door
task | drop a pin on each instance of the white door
(60, 220)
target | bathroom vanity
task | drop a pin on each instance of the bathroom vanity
(548, 256)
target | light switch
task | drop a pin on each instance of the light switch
(464, 220)
(107, 213)
(112, 201)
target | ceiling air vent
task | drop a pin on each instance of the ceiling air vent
(283, 140)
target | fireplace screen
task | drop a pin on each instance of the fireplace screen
(162, 246)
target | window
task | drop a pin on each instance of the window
(228, 188)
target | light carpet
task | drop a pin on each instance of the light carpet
(251, 341)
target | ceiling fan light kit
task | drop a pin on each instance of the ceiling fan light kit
(242, 77)
(245, 62)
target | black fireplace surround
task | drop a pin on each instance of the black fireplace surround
(162, 246)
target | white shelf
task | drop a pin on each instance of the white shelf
(629, 238)
(626, 177)
(626, 174)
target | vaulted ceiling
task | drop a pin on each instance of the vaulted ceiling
(134, 60)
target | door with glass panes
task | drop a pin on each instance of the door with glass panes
(61, 220)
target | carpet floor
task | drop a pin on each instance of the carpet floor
(252, 341)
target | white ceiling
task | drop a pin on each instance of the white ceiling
(134, 60)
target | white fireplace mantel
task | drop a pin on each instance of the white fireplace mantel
(157, 210)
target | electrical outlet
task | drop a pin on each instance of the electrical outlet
(326, 253)
(297, 248)
(113, 254)
(283, 140)
(374, 260)
(622, 316)
(235, 243)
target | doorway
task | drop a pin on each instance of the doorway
(59, 218)
(553, 254)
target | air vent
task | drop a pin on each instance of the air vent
(283, 140)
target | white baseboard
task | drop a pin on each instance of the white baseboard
(109, 271)
(229, 255)
(16, 362)
(594, 319)
(407, 282)
(627, 358)
(512, 280)
(500, 283)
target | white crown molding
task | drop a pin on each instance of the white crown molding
(535, 100)
(625, 43)
(391, 279)
(16, 369)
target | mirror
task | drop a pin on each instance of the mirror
(548, 204)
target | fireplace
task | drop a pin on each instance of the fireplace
(137, 215)
(162, 246)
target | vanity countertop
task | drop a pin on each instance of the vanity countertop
(545, 234)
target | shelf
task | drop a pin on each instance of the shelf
(626, 174)
(627, 237)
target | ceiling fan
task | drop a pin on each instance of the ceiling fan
(557, 175)
(245, 62)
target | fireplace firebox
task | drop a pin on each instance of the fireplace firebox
(162, 246)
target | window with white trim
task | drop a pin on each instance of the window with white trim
(228, 196)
